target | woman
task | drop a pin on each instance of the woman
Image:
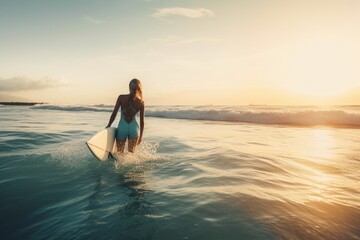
(128, 128)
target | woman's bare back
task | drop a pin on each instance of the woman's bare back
(130, 107)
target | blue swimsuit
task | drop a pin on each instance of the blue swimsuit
(127, 129)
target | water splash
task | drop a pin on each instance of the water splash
(74, 155)
(144, 152)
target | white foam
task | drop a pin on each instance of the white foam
(76, 108)
(298, 115)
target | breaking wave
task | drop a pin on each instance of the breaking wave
(76, 108)
(336, 116)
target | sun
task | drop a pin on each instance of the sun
(321, 70)
(319, 88)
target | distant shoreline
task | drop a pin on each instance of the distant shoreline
(20, 103)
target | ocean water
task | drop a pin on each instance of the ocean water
(202, 172)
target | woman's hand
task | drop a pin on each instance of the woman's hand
(138, 141)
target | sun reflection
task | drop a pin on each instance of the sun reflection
(320, 165)
(323, 144)
(321, 184)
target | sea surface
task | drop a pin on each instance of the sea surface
(201, 172)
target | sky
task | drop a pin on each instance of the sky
(191, 52)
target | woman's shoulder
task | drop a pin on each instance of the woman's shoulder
(122, 96)
(140, 103)
(138, 100)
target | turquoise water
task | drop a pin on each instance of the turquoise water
(254, 176)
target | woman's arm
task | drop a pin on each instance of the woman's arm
(113, 115)
(142, 113)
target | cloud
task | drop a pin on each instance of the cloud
(185, 12)
(22, 83)
(94, 20)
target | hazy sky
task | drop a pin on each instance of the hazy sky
(183, 51)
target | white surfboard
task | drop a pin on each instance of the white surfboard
(102, 143)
